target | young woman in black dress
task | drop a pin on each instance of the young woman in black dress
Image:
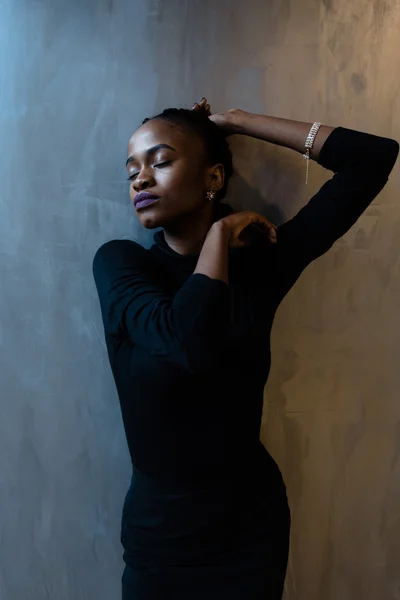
(187, 325)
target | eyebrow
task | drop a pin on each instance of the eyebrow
(151, 150)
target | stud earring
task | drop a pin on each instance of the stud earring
(210, 195)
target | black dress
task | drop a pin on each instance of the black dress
(206, 515)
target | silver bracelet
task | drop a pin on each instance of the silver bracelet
(310, 142)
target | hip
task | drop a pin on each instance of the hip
(194, 522)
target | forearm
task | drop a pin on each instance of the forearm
(283, 132)
(213, 259)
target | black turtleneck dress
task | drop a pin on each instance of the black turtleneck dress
(206, 515)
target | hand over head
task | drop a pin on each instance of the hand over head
(226, 121)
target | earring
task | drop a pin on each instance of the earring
(210, 195)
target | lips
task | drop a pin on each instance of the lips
(145, 198)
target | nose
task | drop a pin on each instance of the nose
(143, 181)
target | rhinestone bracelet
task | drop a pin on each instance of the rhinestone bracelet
(310, 142)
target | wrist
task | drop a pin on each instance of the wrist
(221, 229)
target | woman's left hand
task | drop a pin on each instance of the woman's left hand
(247, 226)
(227, 121)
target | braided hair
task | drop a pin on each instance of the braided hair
(216, 146)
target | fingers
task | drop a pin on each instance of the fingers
(272, 229)
(203, 106)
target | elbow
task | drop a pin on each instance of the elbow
(394, 151)
(202, 348)
(379, 160)
(388, 157)
(192, 357)
(204, 367)
(202, 357)
(382, 163)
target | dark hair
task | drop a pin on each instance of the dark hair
(216, 145)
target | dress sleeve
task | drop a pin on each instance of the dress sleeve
(186, 329)
(362, 163)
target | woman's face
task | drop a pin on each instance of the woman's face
(168, 162)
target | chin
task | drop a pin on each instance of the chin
(151, 224)
(151, 221)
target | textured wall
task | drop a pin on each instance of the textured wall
(76, 79)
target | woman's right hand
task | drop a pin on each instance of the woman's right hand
(240, 237)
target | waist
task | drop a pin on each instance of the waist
(251, 464)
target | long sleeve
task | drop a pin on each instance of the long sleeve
(186, 329)
(362, 163)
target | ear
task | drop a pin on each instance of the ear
(215, 177)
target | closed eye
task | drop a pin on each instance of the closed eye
(163, 164)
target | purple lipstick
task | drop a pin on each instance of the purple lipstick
(144, 199)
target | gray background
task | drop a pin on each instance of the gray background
(77, 78)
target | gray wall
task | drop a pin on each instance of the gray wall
(76, 79)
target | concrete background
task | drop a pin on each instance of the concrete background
(77, 78)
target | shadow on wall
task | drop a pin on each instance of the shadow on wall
(268, 179)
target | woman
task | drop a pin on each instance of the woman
(187, 325)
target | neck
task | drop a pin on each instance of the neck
(187, 234)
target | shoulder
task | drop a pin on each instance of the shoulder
(120, 247)
(115, 249)
(120, 254)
